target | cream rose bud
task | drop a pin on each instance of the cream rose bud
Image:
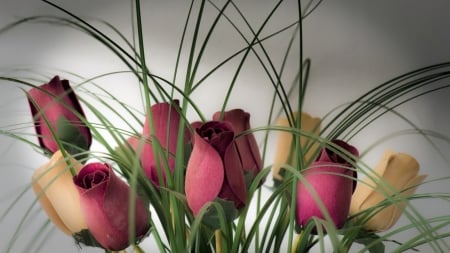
(397, 173)
(283, 151)
(57, 194)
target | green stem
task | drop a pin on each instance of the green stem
(296, 242)
(69, 163)
(137, 249)
(218, 236)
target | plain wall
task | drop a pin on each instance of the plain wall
(353, 45)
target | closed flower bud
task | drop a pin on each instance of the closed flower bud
(55, 108)
(330, 180)
(396, 174)
(105, 203)
(57, 194)
(166, 123)
(284, 149)
(214, 169)
(246, 144)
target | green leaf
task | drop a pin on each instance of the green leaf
(248, 179)
(85, 237)
(212, 216)
(187, 152)
(282, 173)
(70, 137)
(372, 240)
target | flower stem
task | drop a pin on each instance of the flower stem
(137, 249)
(69, 163)
(296, 242)
(218, 235)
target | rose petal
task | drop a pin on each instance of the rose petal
(246, 145)
(105, 202)
(399, 172)
(165, 123)
(58, 196)
(308, 124)
(204, 175)
(235, 177)
(55, 99)
(387, 217)
(334, 188)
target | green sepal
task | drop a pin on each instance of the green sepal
(307, 239)
(187, 153)
(367, 238)
(86, 238)
(278, 182)
(211, 217)
(248, 179)
(71, 138)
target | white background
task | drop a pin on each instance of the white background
(354, 46)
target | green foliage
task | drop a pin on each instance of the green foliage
(212, 216)
(86, 238)
(371, 240)
(267, 222)
(71, 138)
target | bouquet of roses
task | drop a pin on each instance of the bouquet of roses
(204, 183)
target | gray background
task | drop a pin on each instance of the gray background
(354, 46)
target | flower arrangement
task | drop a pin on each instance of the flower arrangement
(190, 182)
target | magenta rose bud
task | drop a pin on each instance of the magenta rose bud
(330, 178)
(246, 144)
(166, 124)
(105, 200)
(214, 169)
(54, 105)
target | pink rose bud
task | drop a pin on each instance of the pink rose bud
(246, 144)
(55, 106)
(331, 180)
(214, 168)
(105, 203)
(166, 124)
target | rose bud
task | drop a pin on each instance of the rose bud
(246, 144)
(105, 203)
(214, 169)
(53, 186)
(165, 123)
(284, 149)
(396, 175)
(331, 178)
(55, 106)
